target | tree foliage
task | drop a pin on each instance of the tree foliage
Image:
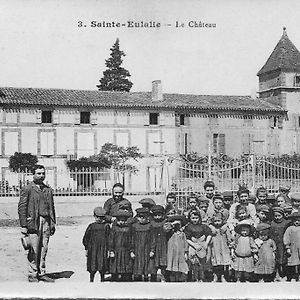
(115, 77)
(110, 156)
(22, 162)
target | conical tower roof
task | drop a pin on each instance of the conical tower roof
(285, 57)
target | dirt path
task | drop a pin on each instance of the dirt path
(66, 252)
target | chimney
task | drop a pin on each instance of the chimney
(253, 94)
(157, 91)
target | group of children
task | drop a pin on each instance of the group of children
(214, 238)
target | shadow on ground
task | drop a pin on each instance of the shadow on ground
(58, 275)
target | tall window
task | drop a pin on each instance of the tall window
(153, 118)
(219, 143)
(182, 119)
(85, 117)
(46, 116)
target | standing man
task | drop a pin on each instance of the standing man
(112, 205)
(37, 220)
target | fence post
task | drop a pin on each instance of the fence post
(253, 165)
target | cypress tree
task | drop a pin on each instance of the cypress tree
(115, 77)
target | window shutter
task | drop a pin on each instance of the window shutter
(271, 122)
(162, 119)
(94, 118)
(55, 117)
(39, 117)
(177, 120)
(221, 143)
(280, 122)
(47, 143)
(295, 143)
(146, 119)
(77, 117)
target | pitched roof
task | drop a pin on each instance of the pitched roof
(285, 57)
(38, 97)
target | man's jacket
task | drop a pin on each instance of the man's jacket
(28, 207)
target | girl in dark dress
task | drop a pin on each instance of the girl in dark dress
(278, 227)
(95, 241)
(140, 252)
(158, 249)
(119, 247)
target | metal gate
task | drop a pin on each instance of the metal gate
(249, 171)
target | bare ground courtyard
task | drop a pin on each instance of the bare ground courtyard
(66, 253)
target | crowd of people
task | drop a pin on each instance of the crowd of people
(233, 237)
(216, 237)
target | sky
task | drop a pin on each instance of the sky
(42, 45)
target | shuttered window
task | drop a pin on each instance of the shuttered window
(219, 143)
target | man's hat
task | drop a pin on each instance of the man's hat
(147, 201)
(287, 208)
(122, 214)
(278, 209)
(181, 218)
(26, 242)
(262, 226)
(99, 211)
(157, 209)
(239, 227)
(262, 207)
(295, 196)
(295, 215)
(142, 211)
(203, 199)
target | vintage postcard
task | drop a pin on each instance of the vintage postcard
(117, 117)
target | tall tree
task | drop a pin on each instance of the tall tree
(115, 77)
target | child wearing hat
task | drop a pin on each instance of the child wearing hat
(140, 252)
(227, 199)
(287, 208)
(291, 240)
(177, 248)
(217, 207)
(120, 245)
(265, 266)
(198, 237)
(243, 252)
(221, 243)
(95, 241)
(263, 213)
(158, 249)
(277, 229)
(147, 203)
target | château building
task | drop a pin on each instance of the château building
(57, 124)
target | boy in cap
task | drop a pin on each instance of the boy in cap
(95, 241)
(263, 213)
(277, 229)
(158, 248)
(287, 208)
(227, 199)
(284, 190)
(141, 242)
(217, 207)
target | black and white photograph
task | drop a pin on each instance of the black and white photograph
(150, 149)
